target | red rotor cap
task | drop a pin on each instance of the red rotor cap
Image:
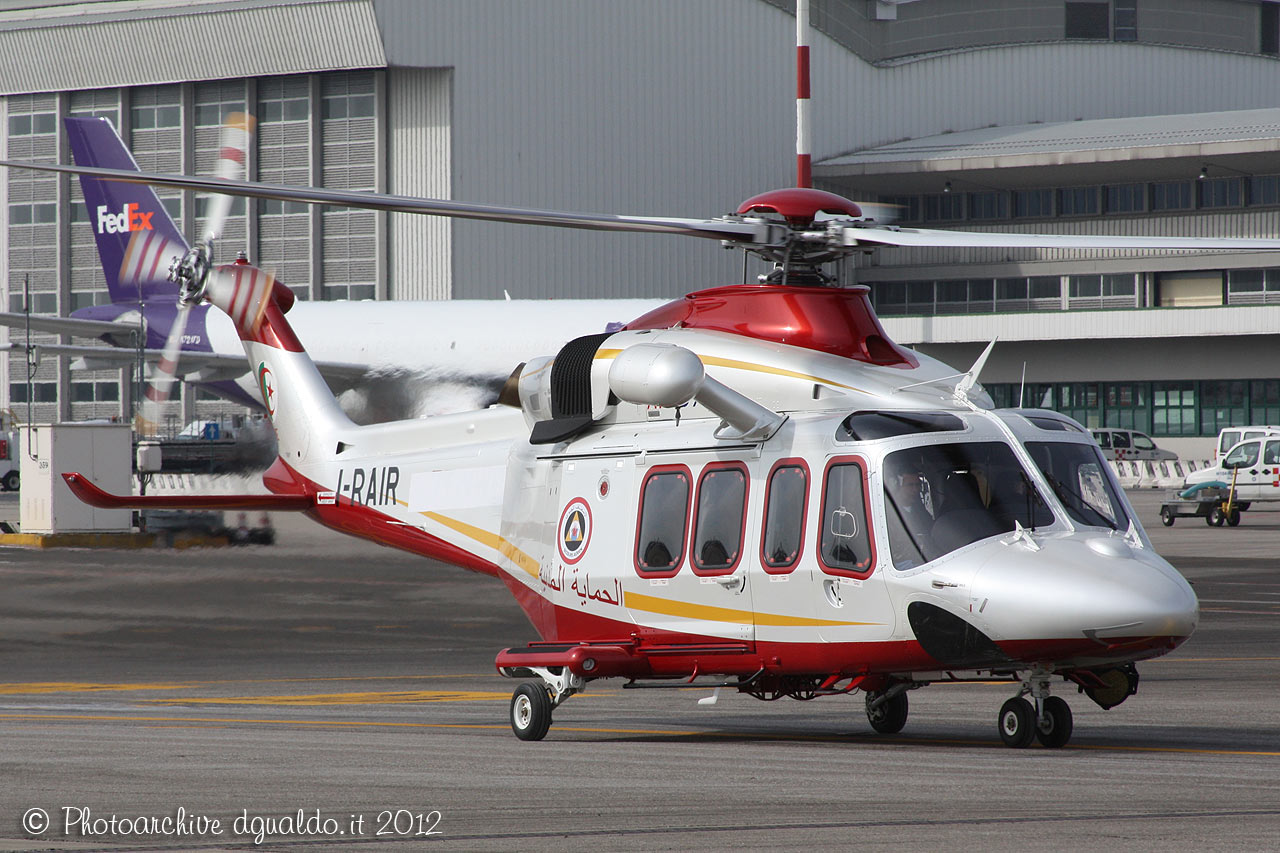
(799, 205)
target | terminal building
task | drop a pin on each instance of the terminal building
(1065, 116)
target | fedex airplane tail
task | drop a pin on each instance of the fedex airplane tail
(137, 240)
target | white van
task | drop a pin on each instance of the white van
(1253, 465)
(1231, 436)
(1130, 446)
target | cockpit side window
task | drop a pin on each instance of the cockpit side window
(1077, 475)
(942, 497)
(663, 522)
(845, 546)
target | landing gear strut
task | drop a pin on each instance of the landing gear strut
(533, 701)
(1047, 720)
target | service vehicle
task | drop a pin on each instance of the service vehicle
(1127, 445)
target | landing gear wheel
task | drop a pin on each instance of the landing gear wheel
(1017, 723)
(1233, 517)
(1216, 517)
(889, 717)
(1055, 729)
(1166, 517)
(11, 481)
(530, 711)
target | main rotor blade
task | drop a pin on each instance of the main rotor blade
(712, 229)
(925, 237)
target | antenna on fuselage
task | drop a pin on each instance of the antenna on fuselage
(968, 380)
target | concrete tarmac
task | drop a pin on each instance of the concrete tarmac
(354, 685)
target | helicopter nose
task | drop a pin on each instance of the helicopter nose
(1083, 597)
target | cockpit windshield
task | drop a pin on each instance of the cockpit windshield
(942, 497)
(1077, 476)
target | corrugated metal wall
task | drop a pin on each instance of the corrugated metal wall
(419, 113)
(676, 108)
(197, 41)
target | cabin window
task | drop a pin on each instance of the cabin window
(663, 523)
(786, 503)
(942, 497)
(845, 545)
(1078, 476)
(720, 519)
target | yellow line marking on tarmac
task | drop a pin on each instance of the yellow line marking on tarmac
(311, 699)
(868, 739)
(15, 688)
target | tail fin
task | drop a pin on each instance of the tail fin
(136, 238)
(298, 400)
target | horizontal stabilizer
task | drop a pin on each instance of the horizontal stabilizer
(67, 325)
(86, 491)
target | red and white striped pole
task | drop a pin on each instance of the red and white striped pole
(804, 159)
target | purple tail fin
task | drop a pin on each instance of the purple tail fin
(136, 238)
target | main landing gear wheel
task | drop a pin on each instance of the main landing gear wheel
(1017, 723)
(1054, 730)
(530, 711)
(889, 716)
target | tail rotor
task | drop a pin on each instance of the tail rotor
(189, 270)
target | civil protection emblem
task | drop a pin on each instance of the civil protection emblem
(575, 530)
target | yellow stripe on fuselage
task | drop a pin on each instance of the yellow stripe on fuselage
(710, 613)
(716, 361)
(489, 540)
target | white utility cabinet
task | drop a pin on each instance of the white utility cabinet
(102, 452)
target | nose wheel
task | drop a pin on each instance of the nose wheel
(1048, 720)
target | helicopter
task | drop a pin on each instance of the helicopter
(751, 488)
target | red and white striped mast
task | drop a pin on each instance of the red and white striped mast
(804, 159)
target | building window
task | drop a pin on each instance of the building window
(1264, 190)
(1032, 204)
(33, 124)
(1126, 198)
(664, 516)
(989, 205)
(786, 503)
(1223, 404)
(1173, 408)
(1124, 20)
(1080, 400)
(1102, 291)
(1126, 406)
(1078, 201)
(1269, 28)
(720, 519)
(1221, 192)
(1264, 401)
(944, 207)
(1171, 195)
(1087, 20)
(907, 207)
(1253, 287)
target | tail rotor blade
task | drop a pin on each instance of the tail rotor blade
(231, 166)
(161, 384)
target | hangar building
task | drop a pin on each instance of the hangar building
(1071, 116)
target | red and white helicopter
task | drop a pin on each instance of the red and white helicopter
(749, 488)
